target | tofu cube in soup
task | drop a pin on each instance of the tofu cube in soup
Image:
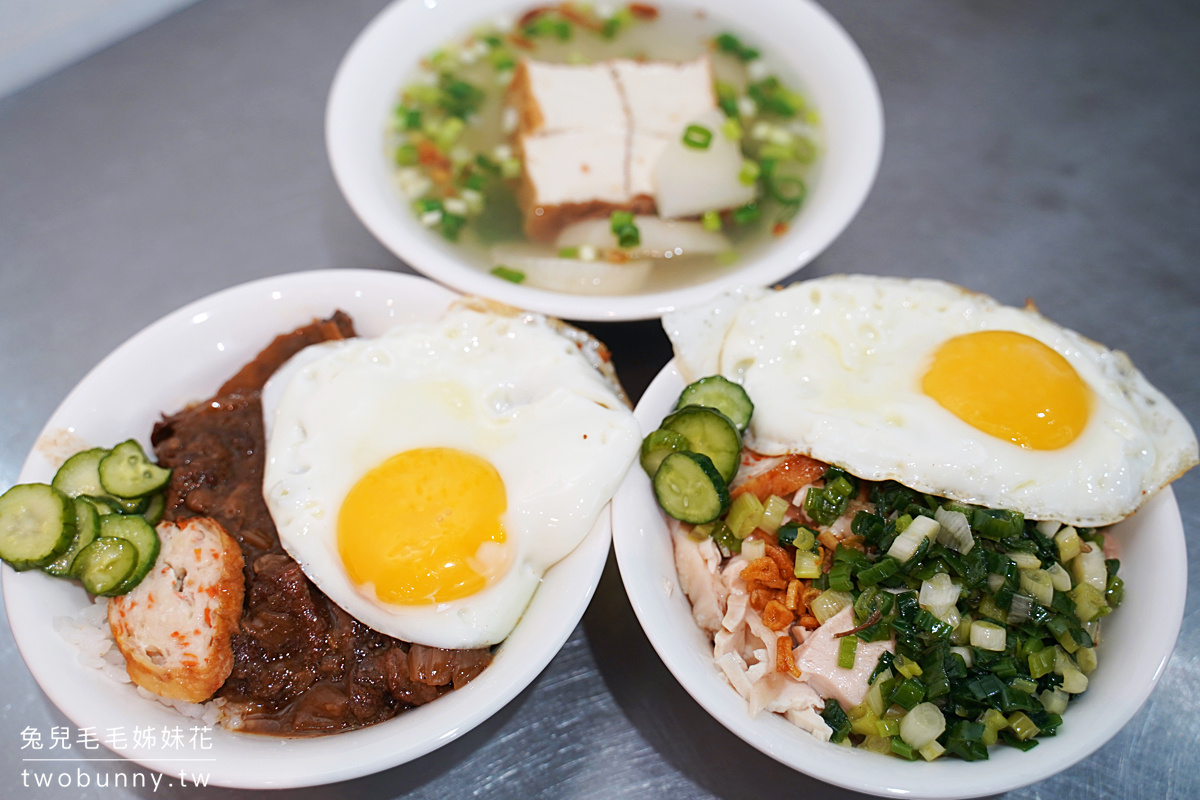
(591, 138)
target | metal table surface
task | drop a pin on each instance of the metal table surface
(1034, 149)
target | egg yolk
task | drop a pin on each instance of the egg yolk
(1011, 386)
(424, 526)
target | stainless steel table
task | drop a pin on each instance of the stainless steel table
(1034, 149)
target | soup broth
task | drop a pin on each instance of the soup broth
(453, 141)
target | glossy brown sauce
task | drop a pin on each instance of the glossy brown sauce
(302, 665)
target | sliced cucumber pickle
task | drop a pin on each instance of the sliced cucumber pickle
(80, 474)
(37, 524)
(717, 391)
(156, 504)
(126, 472)
(658, 445)
(710, 432)
(103, 565)
(103, 505)
(689, 488)
(87, 527)
(142, 536)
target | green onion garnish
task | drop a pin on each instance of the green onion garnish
(747, 213)
(406, 155)
(846, 651)
(410, 118)
(697, 137)
(903, 749)
(907, 693)
(749, 173)
(836, 719)
(547, 25)
(458, 97)
(427, 204)
(501, 271)
(623, 18)
(711, 220)
(786, 190)
(621, 224)
(510, 168)
(502, 60)
(727, 99)
(723, 536)
(839, 578)
(732, 129)
(487, 164)
(772, 96)
(568, 252)
(451, 226)
(728, 43)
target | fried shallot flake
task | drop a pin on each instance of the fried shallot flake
(759, 598)
(765, 572)
(783, 657)
(777, 554)
(776, 616)
(793, 596)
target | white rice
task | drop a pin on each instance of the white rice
(89, 632)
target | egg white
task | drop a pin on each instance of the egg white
(509, 389)
(834, 367)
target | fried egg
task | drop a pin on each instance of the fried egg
(426, 479)
(943, 390)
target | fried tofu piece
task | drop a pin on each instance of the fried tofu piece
(551, 98)
(174, 628)
(572, 176)
(662, 97)
(576, 167)
(590, 135)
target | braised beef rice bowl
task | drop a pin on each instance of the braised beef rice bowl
(270, 651)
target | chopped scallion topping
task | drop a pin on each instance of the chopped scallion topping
(501, 271)
(457, 97)
(772, 96)
(732, 129)
(410, 118)
(747, 213)
(621, 224)
(728, 43)
(452, 225)
(697, 137)
(727, 99)
(749, 172)
(406, 155)
(846, 651)
(502, 60)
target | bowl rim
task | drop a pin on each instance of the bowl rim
(90, 700)
(646, 563)
(369, 75)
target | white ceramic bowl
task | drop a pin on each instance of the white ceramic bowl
(190, 353)
(1138, 639)
(798, 33)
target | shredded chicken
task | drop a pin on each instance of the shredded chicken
(755, 609)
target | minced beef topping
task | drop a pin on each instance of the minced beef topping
(302, 665)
